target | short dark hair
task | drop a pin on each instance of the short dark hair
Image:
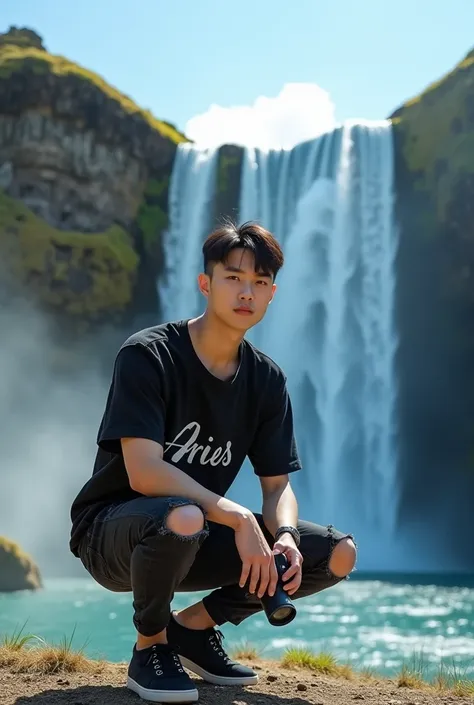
(250, 236)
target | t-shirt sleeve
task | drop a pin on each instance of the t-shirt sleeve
(273, 450)
(135, 407)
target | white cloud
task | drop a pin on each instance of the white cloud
(300, 112)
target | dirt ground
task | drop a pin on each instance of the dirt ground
(276, 686)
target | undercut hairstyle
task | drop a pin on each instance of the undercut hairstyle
(248, 236)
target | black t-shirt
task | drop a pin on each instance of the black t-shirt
(161, 390)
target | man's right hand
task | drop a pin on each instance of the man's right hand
(257, 557)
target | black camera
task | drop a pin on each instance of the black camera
(279, 609)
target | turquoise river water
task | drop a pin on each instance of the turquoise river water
(370, 623)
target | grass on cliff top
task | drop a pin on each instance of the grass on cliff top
(9, 545)
(466, 63)
(27, 653)
(14, 59)
(438, 142)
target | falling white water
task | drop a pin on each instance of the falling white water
(192, 188)
(330, 326)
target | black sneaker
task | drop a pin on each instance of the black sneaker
(201, 651)
(156, 674)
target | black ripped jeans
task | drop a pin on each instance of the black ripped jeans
(130, 548)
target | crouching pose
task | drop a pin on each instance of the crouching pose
(189, 400)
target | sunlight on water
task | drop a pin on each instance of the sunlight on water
(369, 624)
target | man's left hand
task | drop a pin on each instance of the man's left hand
(292, 576)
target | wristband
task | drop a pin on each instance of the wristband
(288, 530)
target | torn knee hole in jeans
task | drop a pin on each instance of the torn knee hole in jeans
(333, 542)
(164, 530)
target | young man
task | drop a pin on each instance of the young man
(188, 401)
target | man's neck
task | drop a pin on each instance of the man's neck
(216, 345)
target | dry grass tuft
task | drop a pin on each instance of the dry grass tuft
(323, 662)
(368, 674)
(413, 675)
(246, 652)
(28, 653)
(452, 679)
(409, 679)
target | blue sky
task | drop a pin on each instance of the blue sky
(352, 59)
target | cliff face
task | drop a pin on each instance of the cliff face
(434, 148)
(18, 571)
(79, 169)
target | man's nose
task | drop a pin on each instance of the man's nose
(246, 292)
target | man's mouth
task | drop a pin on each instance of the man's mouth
(243, 311)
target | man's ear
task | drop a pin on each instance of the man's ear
(274, 288)
(204, 284)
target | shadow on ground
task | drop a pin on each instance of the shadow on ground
(115, 695)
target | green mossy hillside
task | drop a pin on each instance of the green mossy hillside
(15, 59)
(435, 131)
(88, 275)
(434, 186)
(34, 81)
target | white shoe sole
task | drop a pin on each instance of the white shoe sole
(217, 680)
(163, 696)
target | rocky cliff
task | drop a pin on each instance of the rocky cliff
(434, 148)
(83, 183)
(18, 571)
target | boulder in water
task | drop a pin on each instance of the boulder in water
(18, 571)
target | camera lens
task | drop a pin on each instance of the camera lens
(282, 613)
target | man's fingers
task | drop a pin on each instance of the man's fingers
(264, 578)
(254, 576)
(293, 584)
(292, 570)
(292, 576)
(245, 573)
(273, 578)
(292, 587)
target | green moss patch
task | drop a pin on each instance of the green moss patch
(152, 217)
(85, 274)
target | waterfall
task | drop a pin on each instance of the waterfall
(329, 202)
(330, 326)
(192, 188)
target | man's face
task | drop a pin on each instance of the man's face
(237, 294)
